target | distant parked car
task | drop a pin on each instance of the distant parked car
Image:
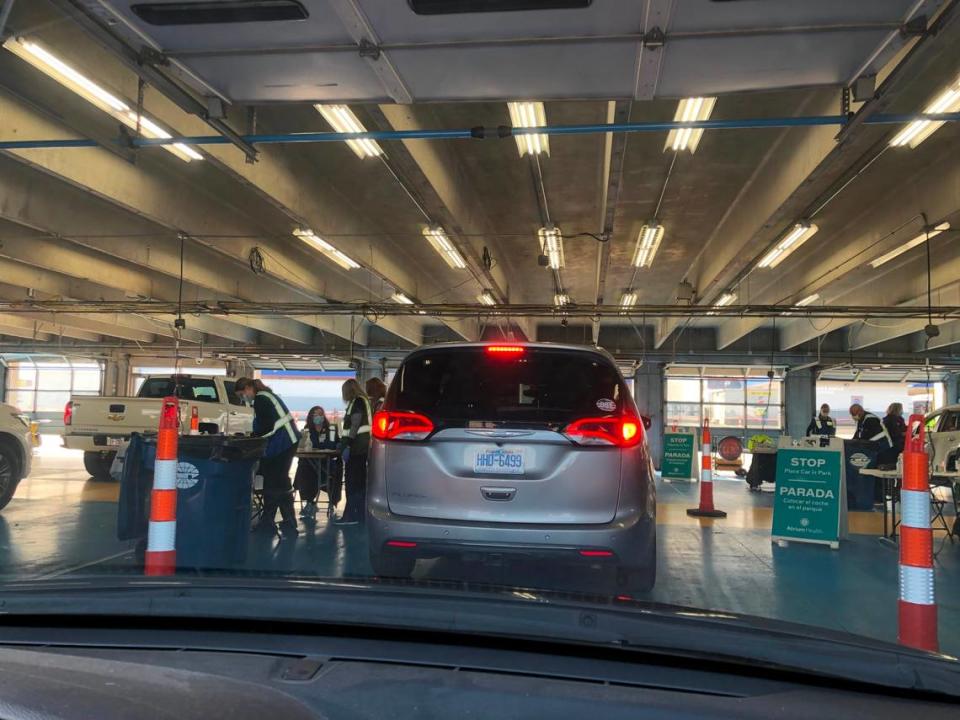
(524, 450)
(16, 446)
(943, 438)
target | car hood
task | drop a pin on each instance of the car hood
(484, 612)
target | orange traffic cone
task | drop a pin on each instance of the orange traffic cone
(706, 508)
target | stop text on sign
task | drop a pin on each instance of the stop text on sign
(807, 462)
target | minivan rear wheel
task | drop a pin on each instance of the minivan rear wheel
(632, 580)
(392, 565)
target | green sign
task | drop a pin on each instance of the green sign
(810, 497)
(678, 455)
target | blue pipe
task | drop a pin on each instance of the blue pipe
(495, 132)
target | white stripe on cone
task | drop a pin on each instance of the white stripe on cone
(706, 448)
(706, 475)
(165, 475)
(916, 585)
(161, 535)
(915, 509)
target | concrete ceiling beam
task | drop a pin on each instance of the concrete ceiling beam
(150, 190)
(434, 173)
(44, 325)
(877, 293)
(13, 326)
(845, 277)
(37, 261)
(764, 206)
(949, 335)
(876, 332)
(815, 162)
(614, 154)
(279, 177)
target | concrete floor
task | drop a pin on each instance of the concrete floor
(60, 522)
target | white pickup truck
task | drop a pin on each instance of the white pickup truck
(99, 425)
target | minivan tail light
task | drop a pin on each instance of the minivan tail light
(68, 413)
(398, 425)
(622, 431)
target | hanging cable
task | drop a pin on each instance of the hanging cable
(179, 324)
(407, 190)
(926, 229)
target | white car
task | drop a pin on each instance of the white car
(943, 437)
(16, 451)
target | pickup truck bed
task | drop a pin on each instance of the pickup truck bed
(98, 425)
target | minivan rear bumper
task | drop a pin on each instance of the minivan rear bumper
(627, 539)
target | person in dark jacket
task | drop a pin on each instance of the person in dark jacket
(272, 420)
(896, 428)
(870, 428)
(309, 470)
(355, 444)
(822, 425)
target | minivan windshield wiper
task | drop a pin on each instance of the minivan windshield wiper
(472, 613)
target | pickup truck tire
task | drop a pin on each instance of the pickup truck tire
(98, 465)
(9, 471)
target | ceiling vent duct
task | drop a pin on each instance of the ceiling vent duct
(218, 12)
(456, 7)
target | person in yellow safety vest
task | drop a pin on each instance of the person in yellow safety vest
(272, 420)
(822, 425)
(355, 444)
(870, 427)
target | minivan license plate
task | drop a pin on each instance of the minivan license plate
(499, 461)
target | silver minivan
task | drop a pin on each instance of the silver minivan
(530, 450)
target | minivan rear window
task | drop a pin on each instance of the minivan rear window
(539, 385)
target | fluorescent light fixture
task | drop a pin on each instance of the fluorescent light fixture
(486, 298)
(441, 243)
(798, 235)
(401, 299)
(561, 299)
(318, 243)
(98, 96)
(529, 114)
(628, 299)
(725, 299)
(342, 120)
(551, 245)
(690, 110)
(919, 130)
(918, 240)
(809, 300)
(647, 243)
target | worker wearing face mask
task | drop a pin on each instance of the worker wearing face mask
(313, 474)
(870, 427)
(272, 420)
(822, 425)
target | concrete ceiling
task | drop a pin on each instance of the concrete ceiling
(106, 223)
(599, 51)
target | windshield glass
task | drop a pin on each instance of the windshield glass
(644, 309)
(201, 389)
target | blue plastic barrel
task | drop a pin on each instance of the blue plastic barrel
(214, 489)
